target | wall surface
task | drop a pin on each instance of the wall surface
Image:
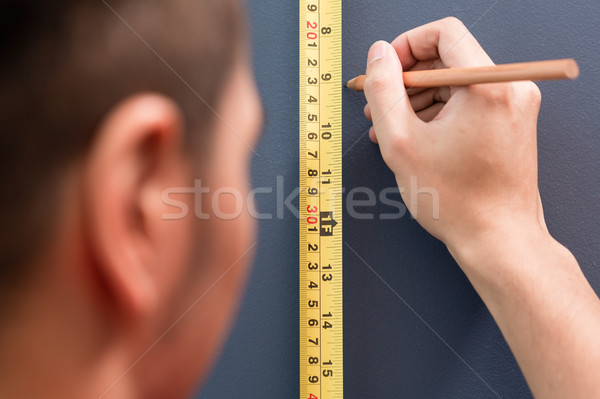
(413, 325)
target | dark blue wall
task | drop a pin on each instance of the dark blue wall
(419, 330)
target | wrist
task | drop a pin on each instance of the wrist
(503, 253)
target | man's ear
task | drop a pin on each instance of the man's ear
(137, 154)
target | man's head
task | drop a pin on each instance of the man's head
(106, 106)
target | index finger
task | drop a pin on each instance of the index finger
(447, 39)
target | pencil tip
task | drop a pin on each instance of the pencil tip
(351, 84)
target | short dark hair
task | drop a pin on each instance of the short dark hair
(64, 64)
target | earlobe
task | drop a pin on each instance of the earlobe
(137, 153)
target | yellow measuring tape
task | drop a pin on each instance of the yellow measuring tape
(321, 321)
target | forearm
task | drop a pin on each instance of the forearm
(479, 152)
(547, 311)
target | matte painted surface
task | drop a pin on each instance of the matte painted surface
(415, 328)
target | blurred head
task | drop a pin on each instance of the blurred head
(128, 128)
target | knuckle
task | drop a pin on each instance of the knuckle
(530, 93)
(453, 23)
(513, 96)
(397, 150)
(398, 143)
(495, 94)
(388, 154)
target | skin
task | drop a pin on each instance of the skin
(132, 273)
(126, 304)
(476, 147)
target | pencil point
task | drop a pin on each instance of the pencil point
(350, 84)
(356, 84)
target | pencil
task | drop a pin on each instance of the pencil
(538, 70)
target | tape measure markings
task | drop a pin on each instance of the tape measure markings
(321, 318)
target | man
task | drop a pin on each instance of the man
(108, 105)
(95, 129)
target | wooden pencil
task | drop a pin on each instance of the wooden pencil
(538, 70)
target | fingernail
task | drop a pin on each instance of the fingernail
(377, 52)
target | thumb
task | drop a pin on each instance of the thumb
(384, 88)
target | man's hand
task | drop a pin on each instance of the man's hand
(471, 150)
(465, 159)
